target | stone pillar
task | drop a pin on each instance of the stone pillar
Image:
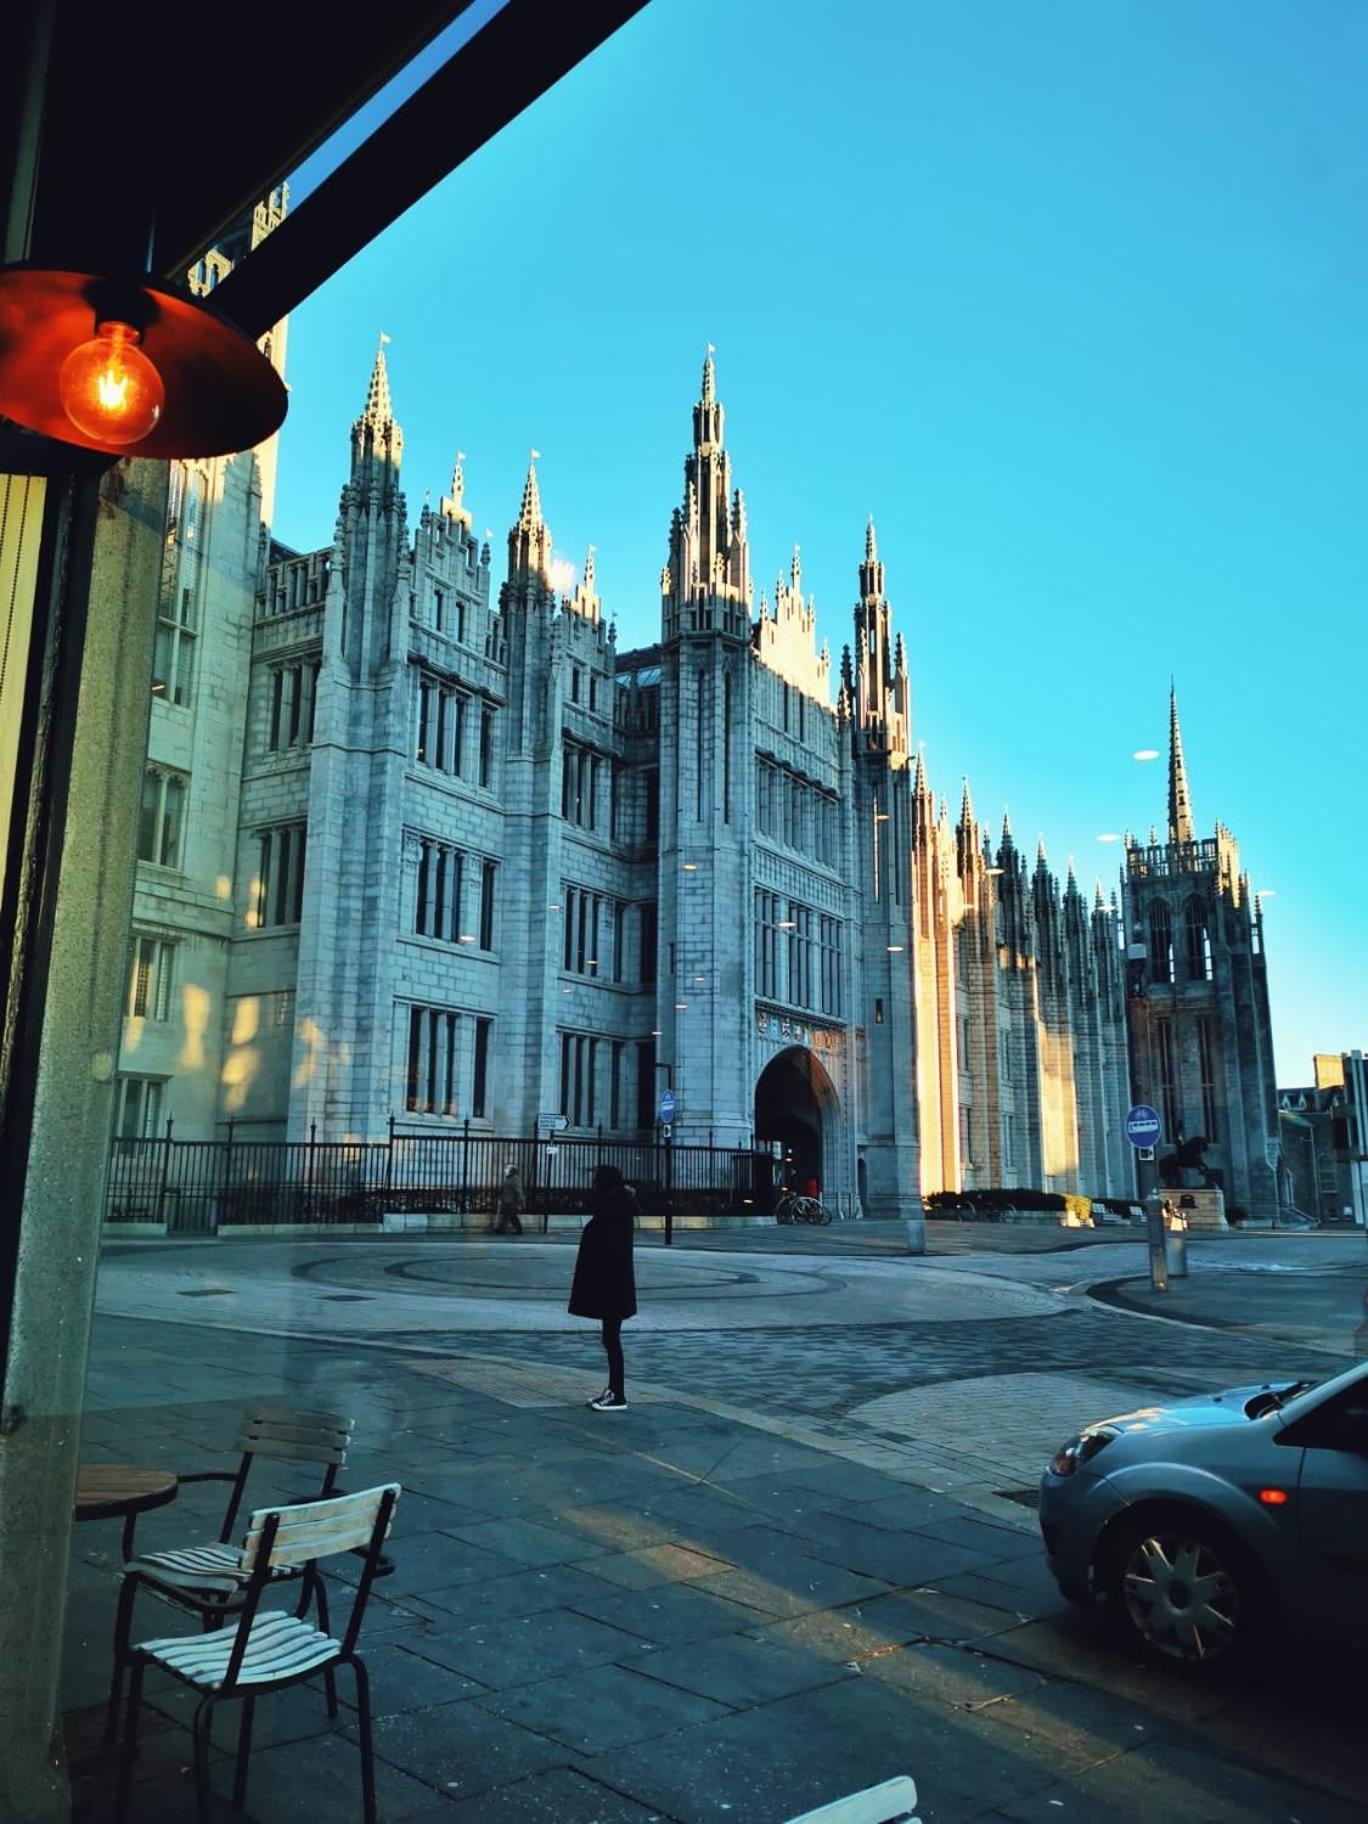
(93, 656)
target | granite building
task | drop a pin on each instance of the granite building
(486, 868)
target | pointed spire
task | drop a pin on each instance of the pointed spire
(1006, 824)
(1042, 862)
(1179, 800)
(796, 568)
(531, 515)
(379, 409)
(920, 788)
(588, 583)
(871, 542)
(709, 396)
(966, 807)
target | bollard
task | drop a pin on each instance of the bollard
(1175, 1248)
(916, 1234)
(1158, 1257)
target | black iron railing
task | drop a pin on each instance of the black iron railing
(202, 1186)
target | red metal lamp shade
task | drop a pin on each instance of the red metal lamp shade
(220, 393)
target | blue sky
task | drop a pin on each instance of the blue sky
(1073, 298)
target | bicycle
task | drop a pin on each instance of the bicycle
(793, 1208)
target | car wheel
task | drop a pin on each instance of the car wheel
(1182, 1590)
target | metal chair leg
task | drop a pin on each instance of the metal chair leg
(329, 1677)
(243, 1753)
(123, 1627)
(202, 1731)
(125, 1789)
(363, 1730)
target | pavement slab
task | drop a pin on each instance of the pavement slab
(606, 1708)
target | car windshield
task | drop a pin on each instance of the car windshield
(1274, 1397)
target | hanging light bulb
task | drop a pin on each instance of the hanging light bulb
(108, 387)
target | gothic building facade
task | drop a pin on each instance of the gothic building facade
(474, 864)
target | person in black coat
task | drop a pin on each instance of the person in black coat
(604, 1286)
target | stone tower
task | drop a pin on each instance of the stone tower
(706, 788)
(1201, 1037)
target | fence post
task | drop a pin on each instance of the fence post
(389, 1157)
(228, 1163)
(165, 1171)
(465, 1169)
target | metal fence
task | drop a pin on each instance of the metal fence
(202, 1186)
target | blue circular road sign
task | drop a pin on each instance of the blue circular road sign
(1143, 1126)
(667, 1106)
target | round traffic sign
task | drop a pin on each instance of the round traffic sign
(1143, 1126)
(667, 1106)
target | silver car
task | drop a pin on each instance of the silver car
(1204, 1522)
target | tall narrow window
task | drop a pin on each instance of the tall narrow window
(174, 653)
(1198, 941)
(616, 914)
(487, 875)
(149, 986)
(1160, 943)
(138, 1116)
(652, 786)
(431, 1075)
(161, 817)
(615, 1084)
(279, 896)
(486, 746)
(479, 1084)
(702, 769)
(645, 1084)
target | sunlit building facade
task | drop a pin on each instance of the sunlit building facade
(463, 862)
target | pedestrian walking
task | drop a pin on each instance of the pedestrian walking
(510, 1202)
(604, 1286)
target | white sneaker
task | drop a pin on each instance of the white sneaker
(599, 1397)
(608, 1401)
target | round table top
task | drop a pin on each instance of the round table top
(106, 1491)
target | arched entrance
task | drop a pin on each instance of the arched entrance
(795, 1103)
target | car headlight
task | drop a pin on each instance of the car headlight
(1078, 1451)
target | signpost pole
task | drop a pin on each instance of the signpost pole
(1143, 1129)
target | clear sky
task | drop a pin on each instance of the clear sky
(1073, 297)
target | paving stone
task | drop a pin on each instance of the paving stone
(653, 1565)
(526, 1592)
(605, 1708)
(527, 1542)
(624, 1526)
(962, 1678)
(799, 1585)
(669, 1614)
(461, 1749)
(740, 1671)
(562, 1796)
(903, 1559)
(301, 1782)
(523, 1650)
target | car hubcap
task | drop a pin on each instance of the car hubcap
(1180, 1598)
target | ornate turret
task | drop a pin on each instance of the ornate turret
(529, 541)
(705, 584)
(375, 433)
(882, 702)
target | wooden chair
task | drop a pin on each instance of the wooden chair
(205, 1579)
(257, 1653)
(891, 1803)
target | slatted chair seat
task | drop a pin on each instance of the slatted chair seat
(278, 1646)
(257, 1653)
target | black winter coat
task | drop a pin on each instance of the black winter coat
(605, 1284)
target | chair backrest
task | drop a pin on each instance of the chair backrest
(889, 1803)
(291, 1437)
(318, 1529)
(295, 1437)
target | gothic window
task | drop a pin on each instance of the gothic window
(279, 896)
(431, 1077)
(479, 1082)
(615, 1083)
(652, 783)
(800, 948)
(440, 735)
(829, 940)
(294, 690)
(161, 817)
(1008, 1142)
(726, 748)
(579, 1063)
(174, 654)
(1198, 942)
(138, 1114)
(486, 746)
(593, 693)
(149, 984)
(439, 610)
(1160, 943)
(441, 880)
(645, 1084)
(575, 675)
(767, 944)
(488, 874)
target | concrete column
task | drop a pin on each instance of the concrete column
(94, 661)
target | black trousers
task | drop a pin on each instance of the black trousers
(612, 1348)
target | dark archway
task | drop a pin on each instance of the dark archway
(794, 1100)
